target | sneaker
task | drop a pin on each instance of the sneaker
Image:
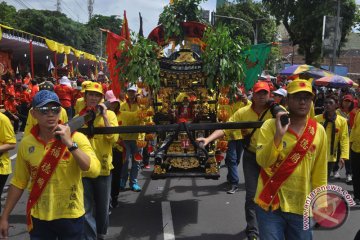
(331, 174)
(234, 188)
(348, 178)
(147, 166)
(337, 175)
(135, 187)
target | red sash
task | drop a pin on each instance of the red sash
(46, 169)
(281, 170)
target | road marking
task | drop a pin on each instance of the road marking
(168, 227)
(13, 156)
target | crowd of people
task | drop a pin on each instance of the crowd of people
(283, 161)
(73, 179)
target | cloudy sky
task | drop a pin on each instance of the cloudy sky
(77, 9)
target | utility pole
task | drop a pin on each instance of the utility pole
(58, 5)
(90, 8)
(336, 38)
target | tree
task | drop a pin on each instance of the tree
(179, 11)
(303, 20)
(257, 17)
(7, 14)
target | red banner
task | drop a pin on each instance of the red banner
(112, 42)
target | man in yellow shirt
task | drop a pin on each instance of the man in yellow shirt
(97, 190)
(257, 111)
(7, 143)
(57, 212)
(336, 131)
(293, 162)
(31, 121)
(234, 138)
(129, 140)
(355, 157)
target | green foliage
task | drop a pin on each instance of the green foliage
(7, 14)
(303, 20)
(179, 11)
(140, 60)
(222, 57)
(254, 16)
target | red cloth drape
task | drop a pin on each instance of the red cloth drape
(112, 42)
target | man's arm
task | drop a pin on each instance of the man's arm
(11, 200)
(215, 135)
(7, 147)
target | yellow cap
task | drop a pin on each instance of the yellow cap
(94, 87)
(83, 85)
(299, 85)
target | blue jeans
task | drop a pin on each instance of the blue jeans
(251, 175)
(232, 160)
(278, 225)
(96, 201)
(131, 150)
(61, 229)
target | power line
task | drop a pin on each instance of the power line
(26, 3)
(77, 3)
(69, 11)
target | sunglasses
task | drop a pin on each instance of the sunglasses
(46, 110)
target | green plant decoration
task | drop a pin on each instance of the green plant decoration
(139, 60)
(174, 14)
(222, 58)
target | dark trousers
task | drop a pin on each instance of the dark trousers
(3, 179)
(116, 173)
(232, 160)
(251, 175)
(59, 229)
(355, 164)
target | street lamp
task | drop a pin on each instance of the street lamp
(255, 32)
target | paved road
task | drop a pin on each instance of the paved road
(188, 209)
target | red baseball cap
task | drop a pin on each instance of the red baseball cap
(261, 86)
(348, 97)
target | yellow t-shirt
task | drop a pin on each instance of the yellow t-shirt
(233, 134)
(341, 135)
(246, 114)
(7, 136)
(31, 121)
(79, 105)
(63, 196)
(308, 175)
(355, 133)
(130, 119)
(103, 143)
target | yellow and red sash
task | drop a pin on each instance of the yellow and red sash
(46, 169)
(281, 171)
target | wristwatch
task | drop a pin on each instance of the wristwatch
(73, 147)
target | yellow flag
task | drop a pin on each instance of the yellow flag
(0, 34)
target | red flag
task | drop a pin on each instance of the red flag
(112, 42)
(125, 33)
